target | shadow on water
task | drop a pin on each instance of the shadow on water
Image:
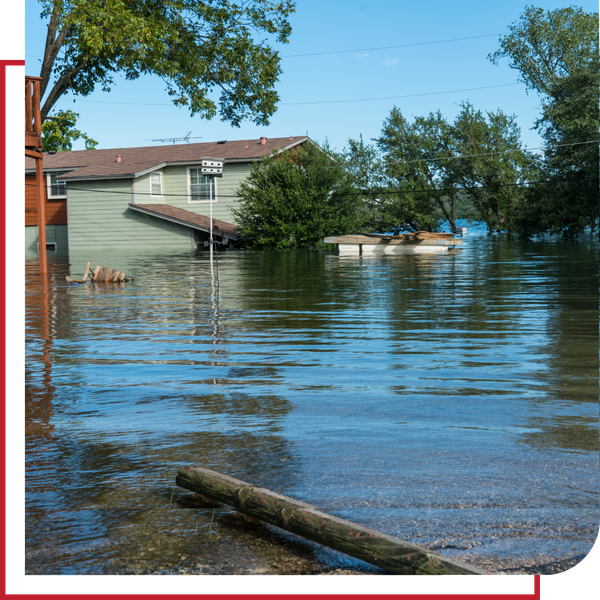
(448, 400)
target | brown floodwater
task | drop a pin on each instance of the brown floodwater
(448, 400)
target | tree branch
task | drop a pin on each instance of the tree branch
(60, 87)
(53, 45)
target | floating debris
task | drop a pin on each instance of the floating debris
(100, 275)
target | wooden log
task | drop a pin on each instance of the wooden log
(387, 552)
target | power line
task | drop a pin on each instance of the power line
(391, 47)
(316, 102)
(361, 193)
(475, 37)
(485, 87)
(461, 156)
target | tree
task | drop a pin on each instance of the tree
(491, 164)
(415, 174)
(412, 173)
(296, 198)
(422, 172)
(59, 133)
(566, 201)
(547, 47)
(193, 46)
(363, 162)
(556, 53)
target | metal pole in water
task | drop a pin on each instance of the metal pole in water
(210, 184)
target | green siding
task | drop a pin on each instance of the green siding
(54, 233)
(175, 190)
(99, 217)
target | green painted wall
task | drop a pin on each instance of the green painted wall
(54, 233)
(99, 217)
(175, 190)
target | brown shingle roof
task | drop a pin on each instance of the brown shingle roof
(99, 164)
(187, 217)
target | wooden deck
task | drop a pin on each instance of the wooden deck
(371, 245)
(189, 219)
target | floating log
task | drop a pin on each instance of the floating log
(389, 553)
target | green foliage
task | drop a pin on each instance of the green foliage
(415, 183)
(547, 46)
(193, 46)
(556, 53)
(296, 198)
(425, 172)
(493, 163)
(59, 133)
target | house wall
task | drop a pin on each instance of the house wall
(99, 218)
(175, 190)
(56, 210)
(56, 217)
(54, 233)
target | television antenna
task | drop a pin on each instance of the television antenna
(174, 140)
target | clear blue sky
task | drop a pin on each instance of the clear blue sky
(320, 94)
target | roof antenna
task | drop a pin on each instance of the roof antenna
(174, 140)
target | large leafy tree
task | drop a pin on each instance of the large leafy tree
(556, 54)
(296, 198)
(194, 47)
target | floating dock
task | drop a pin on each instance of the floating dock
(419, 242)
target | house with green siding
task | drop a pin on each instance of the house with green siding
(150, 197)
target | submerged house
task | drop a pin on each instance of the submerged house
(150, 197)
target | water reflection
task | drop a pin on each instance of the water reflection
(421, 396)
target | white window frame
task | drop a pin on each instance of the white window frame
(189, 184)
(160, 182)
(49, 176)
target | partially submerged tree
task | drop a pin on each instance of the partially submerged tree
(415, 172)
(296, 198)
(59, 132)
(421, 170)
(195, 47)
(556, 54)
(363, 162)
(491, 163)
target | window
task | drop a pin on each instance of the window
(156, 184)
(200, 187)
(56, 189)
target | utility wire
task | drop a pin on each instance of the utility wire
(461, 156)
(361, 193)
(485, 87)
(316, 102)
(391, 47)
(457, 157)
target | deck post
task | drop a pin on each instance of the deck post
(41, 206)
(33, 149)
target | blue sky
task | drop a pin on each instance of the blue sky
(340, 95)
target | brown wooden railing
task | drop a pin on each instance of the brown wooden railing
(33, 119)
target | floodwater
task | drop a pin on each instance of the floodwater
(448, 400)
